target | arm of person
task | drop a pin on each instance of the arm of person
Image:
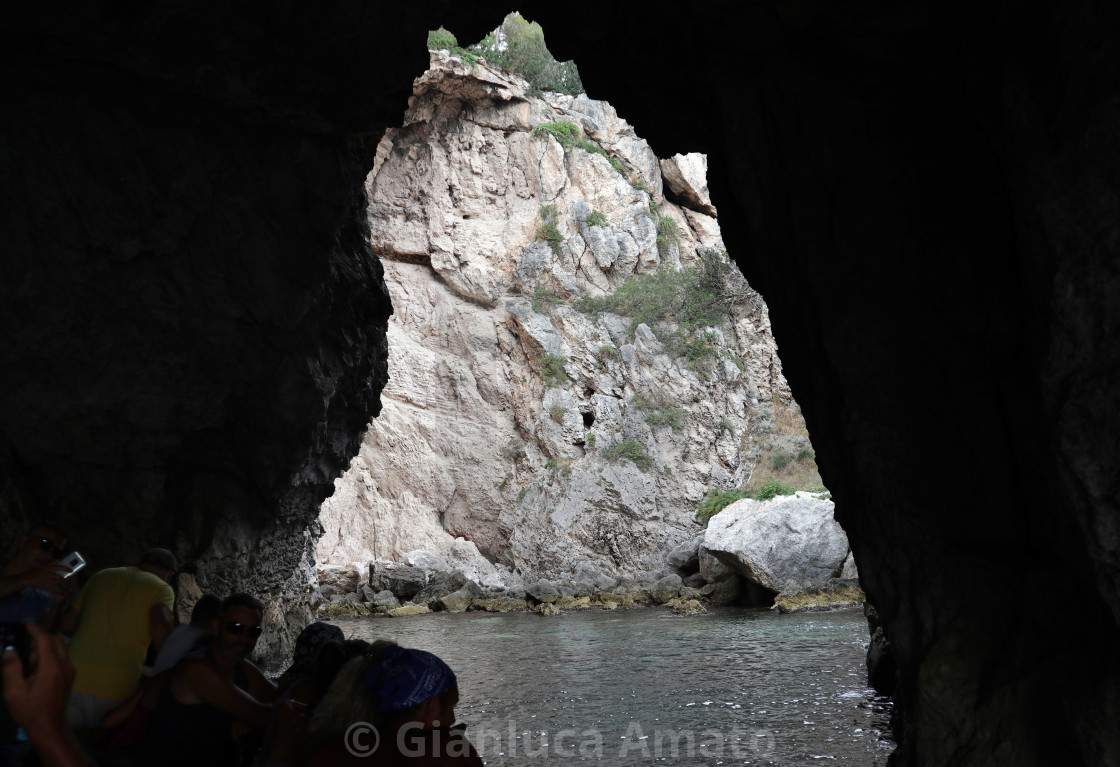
(38, 702)
(260, 687)
(290, 733)
(304, 692)
(207, 684)
(45, 578)
(121, 713)
(159, 624)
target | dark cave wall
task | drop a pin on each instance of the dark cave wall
(193, 326)
(929, 203)
(193, 321)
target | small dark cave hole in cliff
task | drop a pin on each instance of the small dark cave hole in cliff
(588, 419)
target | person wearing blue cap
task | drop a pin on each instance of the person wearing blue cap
(396, 705)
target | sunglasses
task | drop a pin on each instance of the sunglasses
(46, 544)
(241, 628)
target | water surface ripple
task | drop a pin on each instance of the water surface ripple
(734, 686)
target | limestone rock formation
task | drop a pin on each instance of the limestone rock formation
(518, 434)
(789, 543)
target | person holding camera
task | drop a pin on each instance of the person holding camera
(35, 691)
(33, 582)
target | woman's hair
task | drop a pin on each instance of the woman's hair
(348, 699)
(308, 644)
(330, 659)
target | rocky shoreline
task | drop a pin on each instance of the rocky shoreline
(812, 571)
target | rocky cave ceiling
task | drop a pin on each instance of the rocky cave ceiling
(929, 199)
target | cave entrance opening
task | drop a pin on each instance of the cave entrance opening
(581, 377)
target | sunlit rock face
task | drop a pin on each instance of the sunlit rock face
(926, 199)
(485, 455)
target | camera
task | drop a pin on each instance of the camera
(15, 635)
(73, 563)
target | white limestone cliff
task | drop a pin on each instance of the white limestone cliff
(480, 455)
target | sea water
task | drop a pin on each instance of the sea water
(644, 686)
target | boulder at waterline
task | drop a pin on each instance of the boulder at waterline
(790, 543)
(666, 588)
(543, 591)
(685, 559)
(343, 579)
(456, 602)
(404, 581)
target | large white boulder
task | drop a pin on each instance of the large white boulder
(790, 543)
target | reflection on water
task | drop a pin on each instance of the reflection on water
(735, 686)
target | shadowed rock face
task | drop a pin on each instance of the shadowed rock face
(192, 325)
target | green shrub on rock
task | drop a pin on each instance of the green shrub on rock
(441, 40)
(694, 296)
(631, 450)
(773, 489)
(571, 137)
(552, 369)
(564, 131)
(548, 231)
(596, 218)
(715, 502)
(658, 412)
(544, 300)
(667, 230)
(524, 52)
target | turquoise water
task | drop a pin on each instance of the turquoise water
(627, 687)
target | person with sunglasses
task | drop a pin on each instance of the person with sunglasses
(207, 694)
(117, 614)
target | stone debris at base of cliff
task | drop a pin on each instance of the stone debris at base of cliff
(397, 588)
(422, 592)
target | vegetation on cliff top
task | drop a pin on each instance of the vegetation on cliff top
(442, 40)
(517, 45)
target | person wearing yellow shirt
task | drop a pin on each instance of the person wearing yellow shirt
(119, 612)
